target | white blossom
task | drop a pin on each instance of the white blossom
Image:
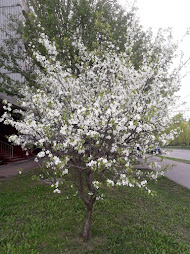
(57, 191)
(96, 184)
(65, 171)
(110, 182)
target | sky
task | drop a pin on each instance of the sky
(175, 14)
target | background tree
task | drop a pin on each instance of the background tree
(183, 139)
(94, 21)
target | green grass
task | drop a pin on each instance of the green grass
(174, 159)
(35, 220)
(178, 147)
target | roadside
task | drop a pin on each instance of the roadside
(174, 159)
(179, 172)
(178, 154)
(177, 147)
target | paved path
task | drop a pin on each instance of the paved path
(11, 169)
(178, 153)
(179, 173)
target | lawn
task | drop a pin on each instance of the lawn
(35, 220)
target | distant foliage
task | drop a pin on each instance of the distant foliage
(183, 139)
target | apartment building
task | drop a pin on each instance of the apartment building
(7, 8)
(8, 153)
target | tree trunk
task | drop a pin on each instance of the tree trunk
(86, 229)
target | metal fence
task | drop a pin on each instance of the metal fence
(6, 149)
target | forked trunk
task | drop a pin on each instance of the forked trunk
(86, 228)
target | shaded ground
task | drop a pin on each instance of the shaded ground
(12, 169)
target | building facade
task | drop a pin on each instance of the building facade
(8, 8)
(8, 153)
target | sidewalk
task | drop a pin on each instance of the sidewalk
(12, 169)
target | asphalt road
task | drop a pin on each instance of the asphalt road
(179, 172)
(178, 153)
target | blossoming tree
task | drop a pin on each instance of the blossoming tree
(89, 124)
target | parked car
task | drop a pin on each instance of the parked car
(156, 150)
